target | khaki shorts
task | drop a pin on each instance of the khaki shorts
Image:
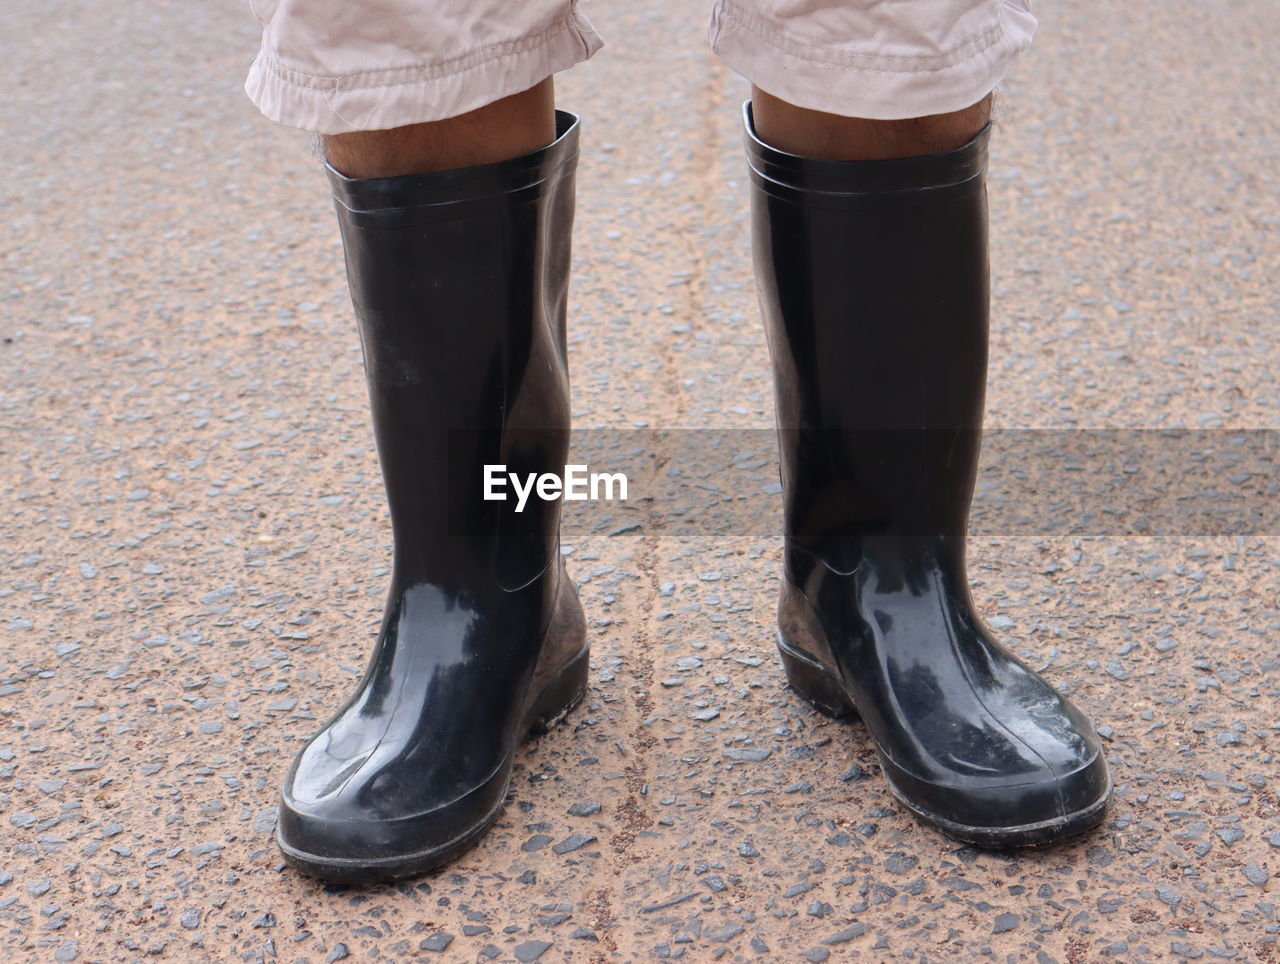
(333, 66)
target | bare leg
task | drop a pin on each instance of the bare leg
(499, 131)
(813, 133)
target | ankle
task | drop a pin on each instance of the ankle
(815, 134)
(507, 128)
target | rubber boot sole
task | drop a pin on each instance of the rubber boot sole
(824, 692)
(557, 699)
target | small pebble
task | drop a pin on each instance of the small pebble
(436, 942)
(1005, 923)
(530, 950)
(573, 842)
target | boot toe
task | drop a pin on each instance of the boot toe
(342, 839)
(1031, 809)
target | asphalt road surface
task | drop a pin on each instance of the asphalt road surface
(194, 545)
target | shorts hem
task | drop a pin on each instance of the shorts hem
(415, 94)
(871, 85)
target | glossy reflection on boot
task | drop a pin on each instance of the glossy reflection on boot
(874, 290)
(459, 281)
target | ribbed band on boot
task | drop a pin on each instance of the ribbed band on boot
(781, 173)
(382, 197)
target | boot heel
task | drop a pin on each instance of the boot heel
(561, 695)
(814, 683)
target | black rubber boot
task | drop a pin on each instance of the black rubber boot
(873, 284)
(459, 281)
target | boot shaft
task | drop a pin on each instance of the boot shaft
(459, 281)
(873, 284)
